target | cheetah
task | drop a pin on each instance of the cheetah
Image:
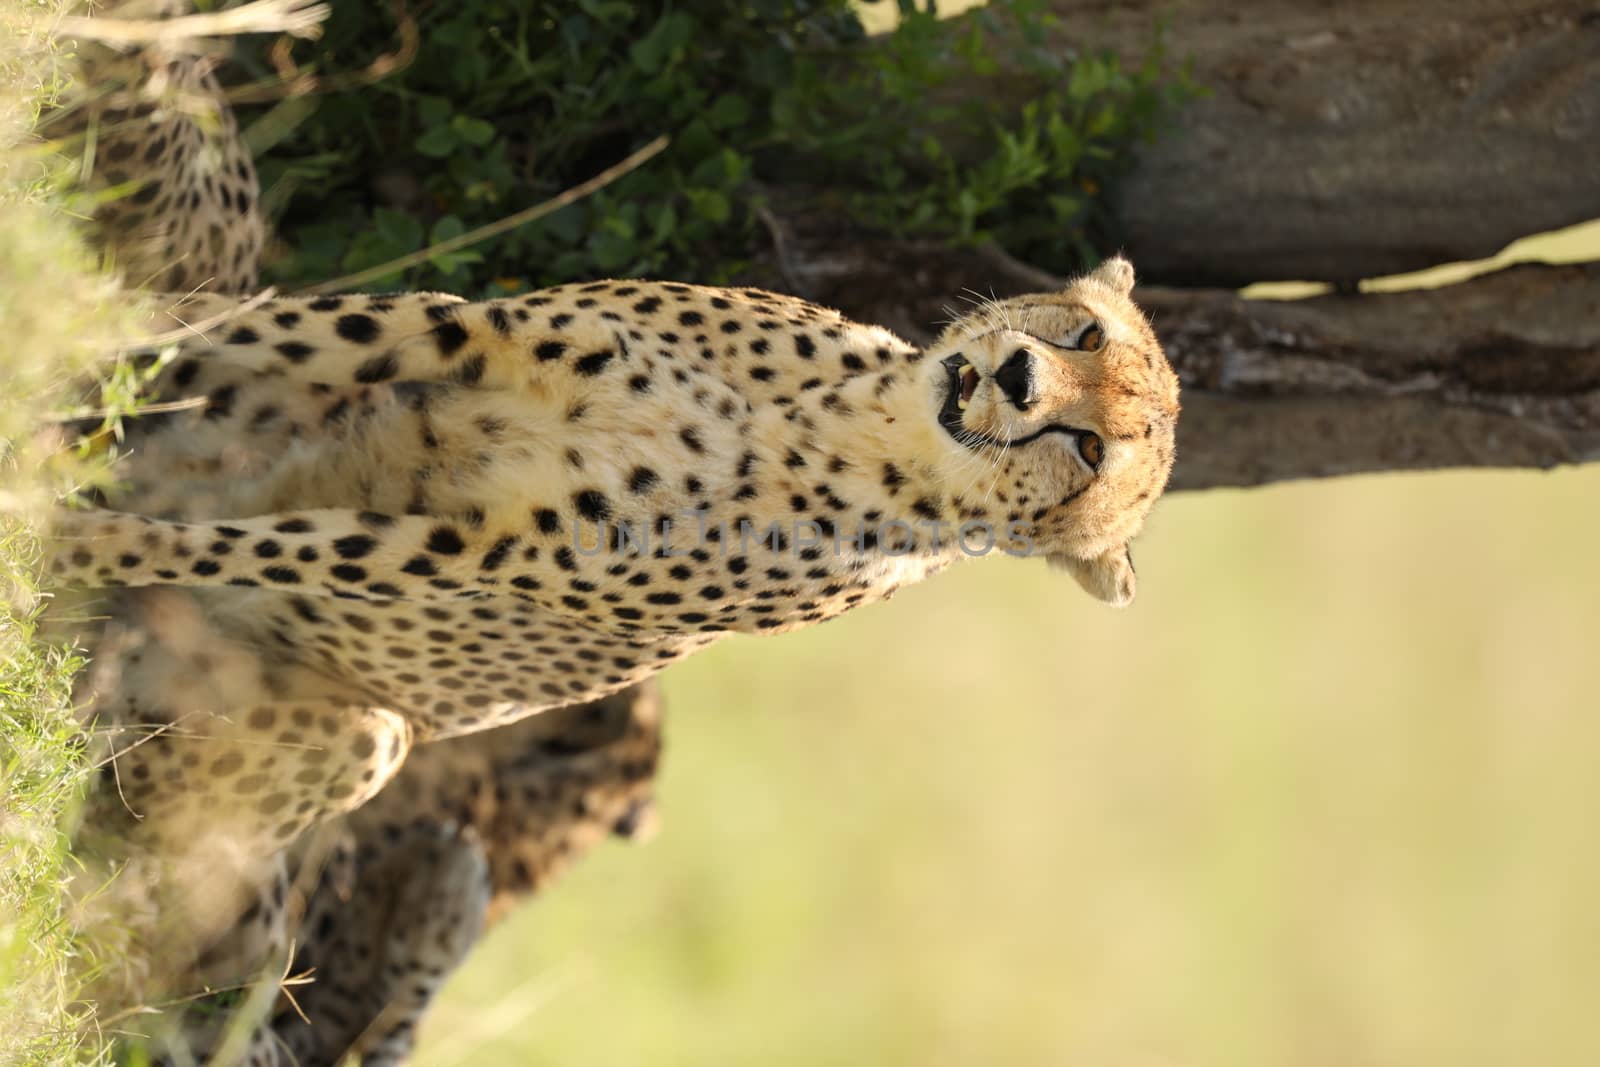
(422, 891)
(415, 518)
(385, 903)
(178, 197)
(489, 510)
(525, 503)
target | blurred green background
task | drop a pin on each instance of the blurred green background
(1324, 795)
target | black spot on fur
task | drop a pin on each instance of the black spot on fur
(354, 546)
(592, 505)
(449, 336)
(362, 329)
(378, 369)
(219, 404)
(445, 541)
(594, 362)
(549, 350)
(493, 558)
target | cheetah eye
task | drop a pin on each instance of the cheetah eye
(1091, 448)
(1091, 338)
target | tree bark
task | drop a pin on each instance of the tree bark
(1346, 140)
(1501, 371)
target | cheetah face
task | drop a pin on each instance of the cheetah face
(1064, 401)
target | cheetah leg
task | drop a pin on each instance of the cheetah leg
(323, 552)
(202, 808)
(250, 782)
(417, 908)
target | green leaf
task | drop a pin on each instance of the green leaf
(664, 223)
(446, 229)
(473, 131)
(437, 143)
(729, 110)
(654, 50)
(709, 204)
(433, 110)
(397, 229)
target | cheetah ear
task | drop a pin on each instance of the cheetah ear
(1115, 272)
(1108, 576)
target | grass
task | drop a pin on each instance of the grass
(58, 314)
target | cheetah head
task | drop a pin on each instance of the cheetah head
(1065, 400)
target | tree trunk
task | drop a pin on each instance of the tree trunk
(1346, 140)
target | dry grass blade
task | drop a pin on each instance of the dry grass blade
(494, 229)
(298, 18)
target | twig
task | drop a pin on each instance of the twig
(165, 406)
(780, 248)
(292, 80)
(301, 18)
(179, 333)
(494, 229)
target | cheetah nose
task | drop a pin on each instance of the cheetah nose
(1016, 379)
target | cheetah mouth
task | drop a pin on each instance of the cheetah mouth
(963, 382)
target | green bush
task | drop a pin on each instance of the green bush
(506, 103)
